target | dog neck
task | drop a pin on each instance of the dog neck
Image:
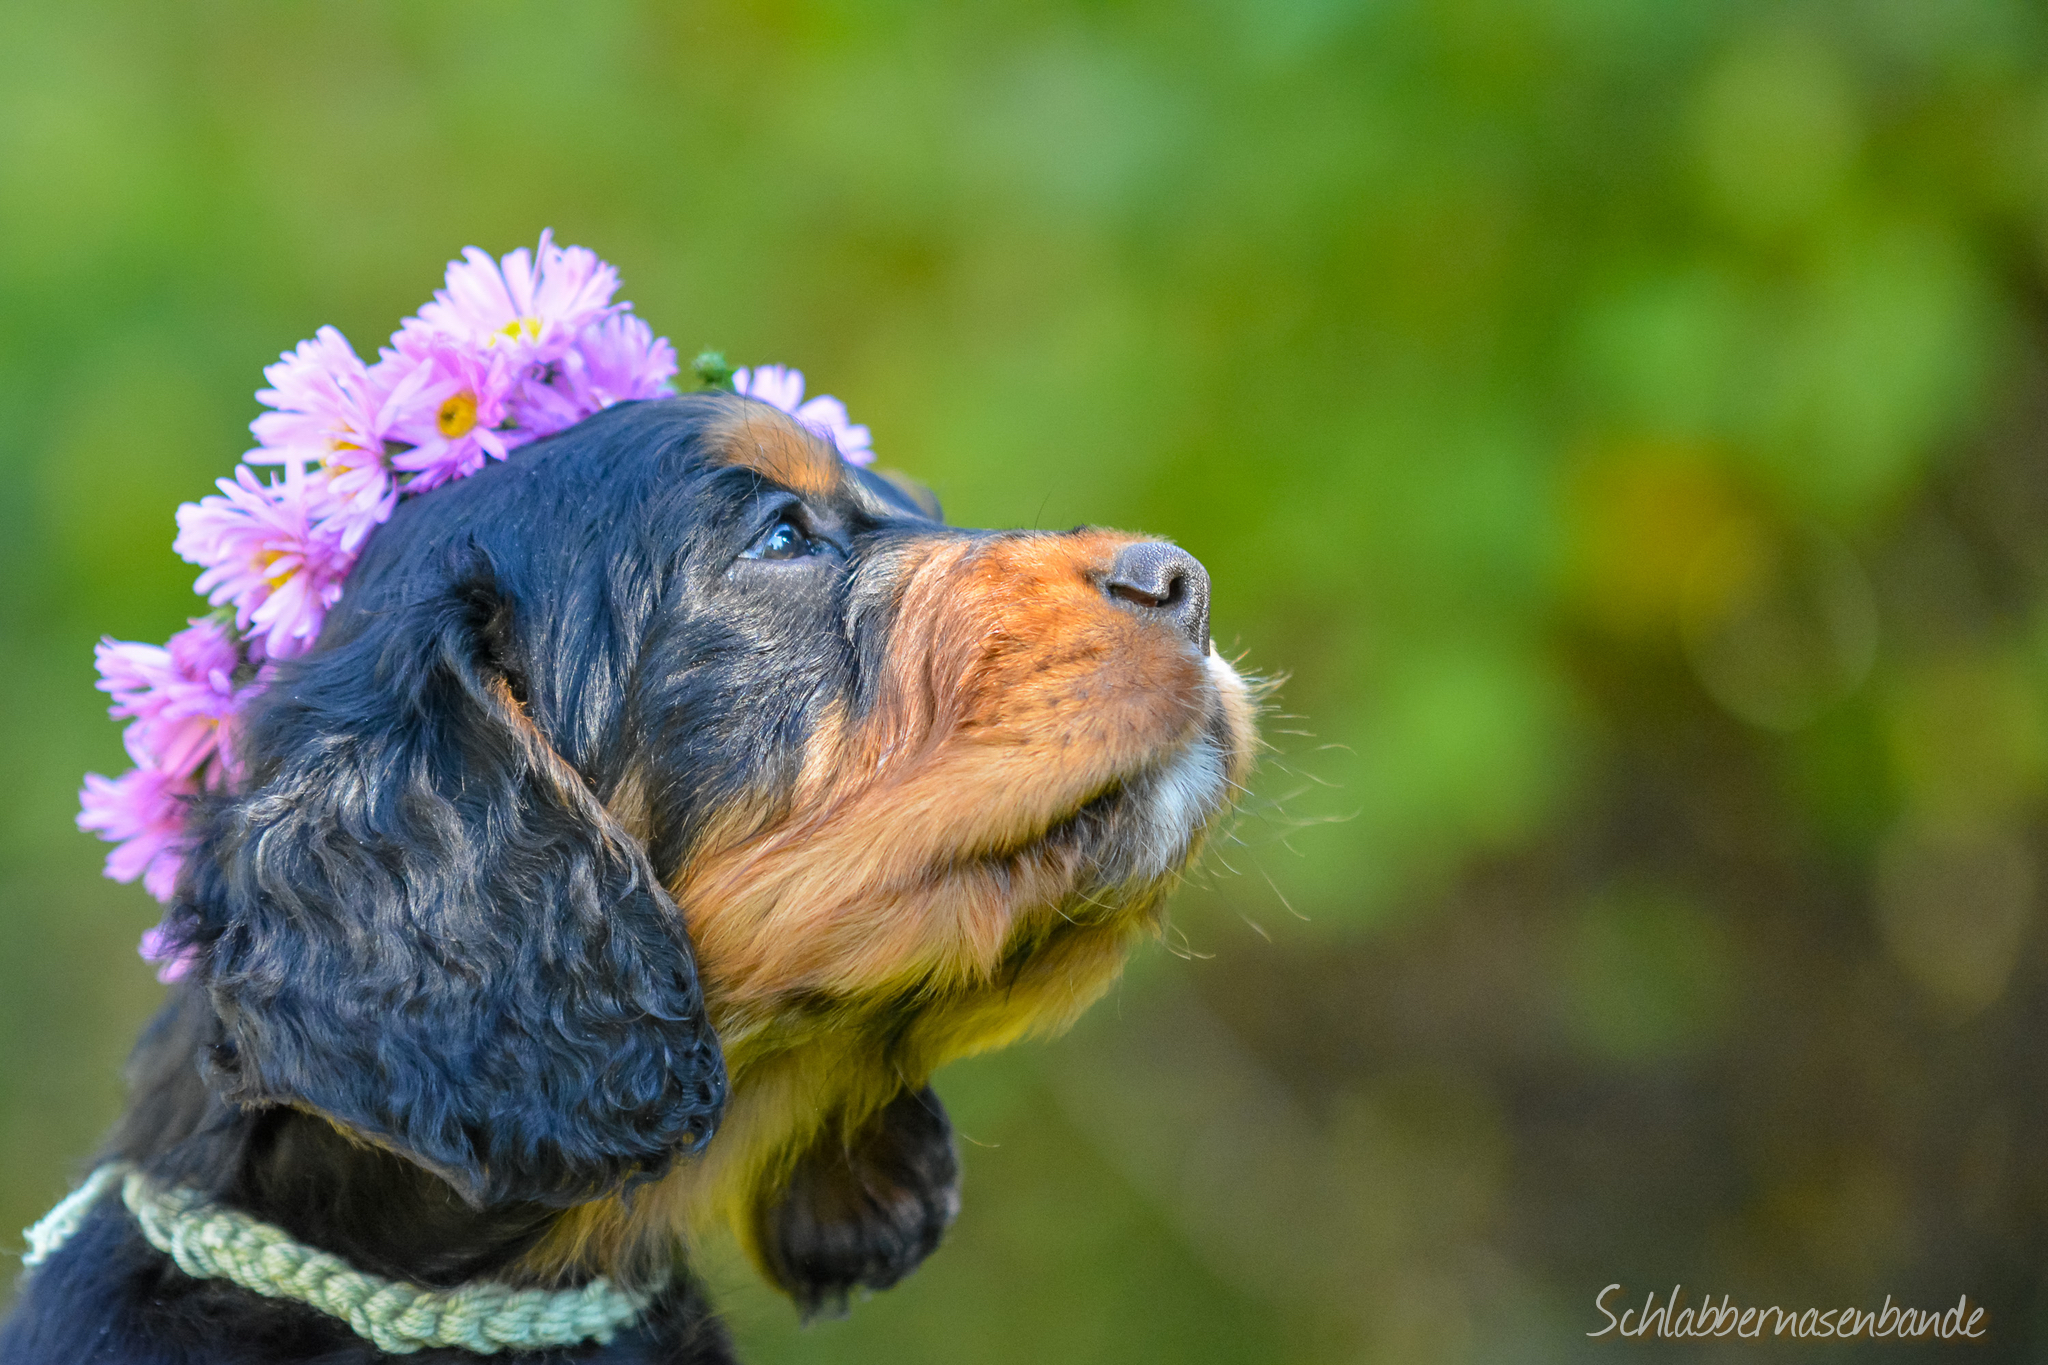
(377, 1211)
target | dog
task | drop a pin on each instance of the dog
(658, 810)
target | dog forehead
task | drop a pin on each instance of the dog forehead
(753, 435)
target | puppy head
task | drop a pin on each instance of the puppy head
(1005, 734)
(678, 693)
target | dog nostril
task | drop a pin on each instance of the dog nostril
(1166, 581)
(1165, 596)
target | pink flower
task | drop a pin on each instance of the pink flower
(618, 360)
(508, 351)
(263, 549)
(177, 695)
(159, 946)
(335, 416)
(532, 306)
(783, 388)
(348, 504)
(465, 415)
(614, 360)
(142, 813)
(330, 407)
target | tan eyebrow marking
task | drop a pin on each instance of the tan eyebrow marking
(776, 446)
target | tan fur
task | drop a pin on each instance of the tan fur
(1016, 692)
(907, 909)
(777, 447)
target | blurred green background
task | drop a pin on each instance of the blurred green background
(1625, 423)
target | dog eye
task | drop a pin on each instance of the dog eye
(785, 540)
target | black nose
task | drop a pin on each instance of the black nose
(1166, 581)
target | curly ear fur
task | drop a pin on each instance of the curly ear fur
(418, 920)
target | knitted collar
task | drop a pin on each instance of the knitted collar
(210, 1241)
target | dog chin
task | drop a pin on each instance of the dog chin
(1160, 817)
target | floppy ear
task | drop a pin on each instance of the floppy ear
(418, 920)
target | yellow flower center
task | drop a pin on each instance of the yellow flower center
(457, 415)
(275, 580)
(527, 327)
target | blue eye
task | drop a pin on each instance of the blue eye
(783, 541)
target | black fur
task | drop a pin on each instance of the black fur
(419, 919)
(416, 919)
(864, 1210)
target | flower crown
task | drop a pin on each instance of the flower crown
(505, 353)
